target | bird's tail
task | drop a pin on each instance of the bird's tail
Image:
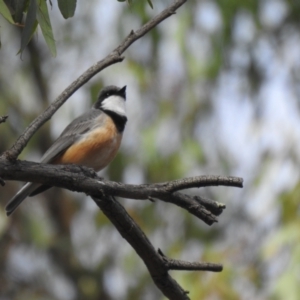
(25, 191)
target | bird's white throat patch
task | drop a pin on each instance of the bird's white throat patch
(115, 104)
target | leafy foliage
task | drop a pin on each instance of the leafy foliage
(4, 11)
(67, 8)
(44, 21)
(36, 12)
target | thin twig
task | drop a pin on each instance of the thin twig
(181, 265)
(213, 206)
(200, 181)
(172, 186)
(112, 58)
(193, 207)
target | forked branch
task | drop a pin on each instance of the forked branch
(157, 263)
(81, 179)
(85, 180)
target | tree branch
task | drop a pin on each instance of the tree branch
(2, 120)
(81, 179)
(85, 180)
(180, 265)
(130, 231)
(112, 58)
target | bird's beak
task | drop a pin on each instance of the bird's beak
(122, 92)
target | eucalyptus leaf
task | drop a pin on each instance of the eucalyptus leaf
(67, 7)
(19, 10)
(150, 3)
(45, 24)
(30, 24)
(4, 11)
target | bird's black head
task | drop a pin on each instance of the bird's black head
(108, 92)
(111, 101)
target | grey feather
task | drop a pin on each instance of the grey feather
(72, 133)
(25, 191)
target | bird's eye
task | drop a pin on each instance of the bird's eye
(107, 94)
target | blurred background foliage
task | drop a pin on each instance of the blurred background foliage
(213, 90)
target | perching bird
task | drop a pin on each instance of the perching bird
(91, 140)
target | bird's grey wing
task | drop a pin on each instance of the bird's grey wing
(84, 122)
(31, 189)
(58, 147)
(69, 136)
(72, 133)
(25, 191)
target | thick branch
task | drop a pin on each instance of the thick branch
(81, 179)
(85, 180)
(129, 230)
(112, 58)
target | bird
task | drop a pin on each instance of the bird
(91, 140)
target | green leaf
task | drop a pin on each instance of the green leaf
(45, 24)
(19, 9)
(67, 7)
(30, 25)
(4, 11)
(150, 3)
